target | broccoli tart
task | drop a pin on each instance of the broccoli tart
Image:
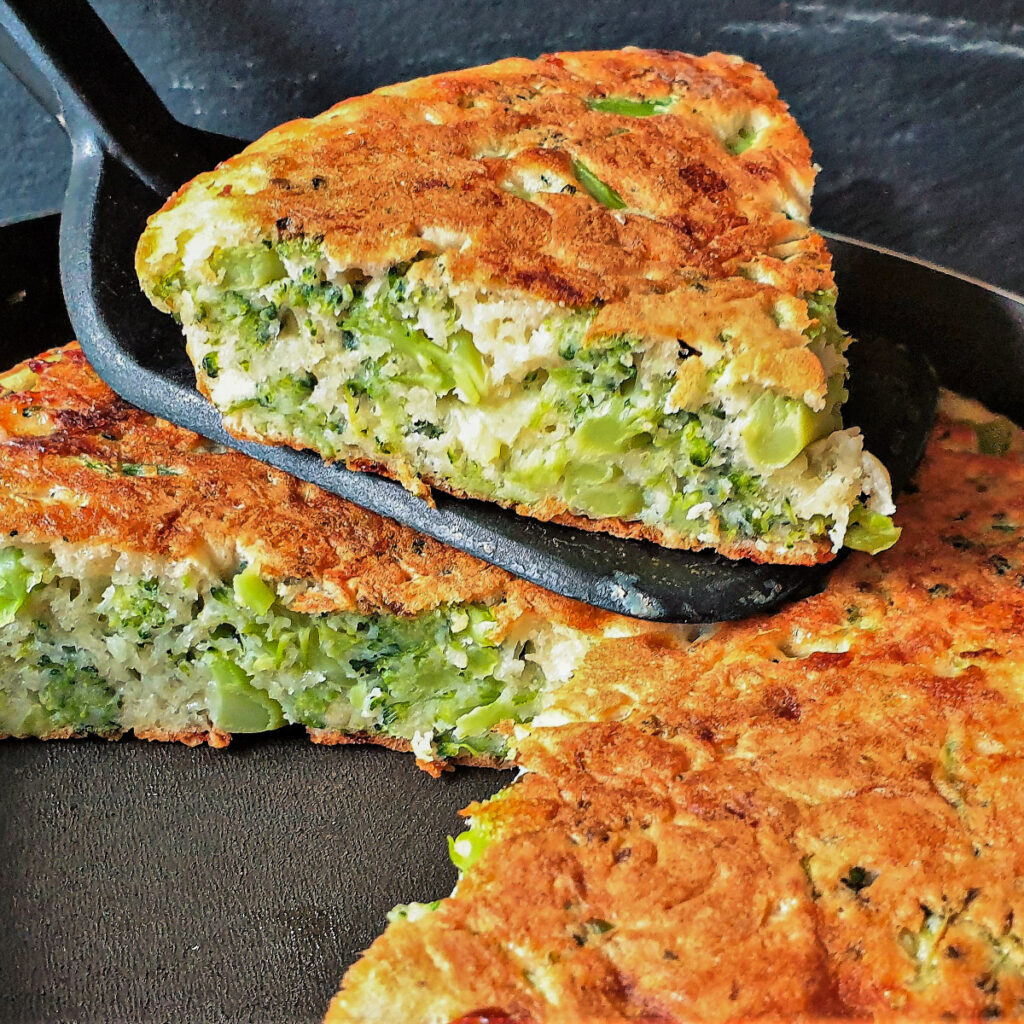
(582, 286)
(153, 582)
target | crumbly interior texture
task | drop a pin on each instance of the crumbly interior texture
(513, 399)
(92, 645)
(814, 815)
(583, 286)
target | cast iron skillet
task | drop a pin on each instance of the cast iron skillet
(129, 154)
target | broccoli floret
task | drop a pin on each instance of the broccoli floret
(137, 608)
(74, 696)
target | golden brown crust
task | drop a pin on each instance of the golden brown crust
(190, 737)
(218, 738)
(809, 815)
(437, 165)
(79, 466)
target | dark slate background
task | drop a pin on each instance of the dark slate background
(914, 109)
(151, 883)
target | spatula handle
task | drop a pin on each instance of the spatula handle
(71, 62)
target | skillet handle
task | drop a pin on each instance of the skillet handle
(71, 62)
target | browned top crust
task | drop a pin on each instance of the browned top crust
(449, 164)
(811, 815)
(79, 466)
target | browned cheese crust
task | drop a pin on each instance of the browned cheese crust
(375, 173)
(810, 815)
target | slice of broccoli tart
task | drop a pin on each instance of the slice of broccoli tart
(152, 582)
(583, 287)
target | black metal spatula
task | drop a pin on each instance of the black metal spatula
(129, 154)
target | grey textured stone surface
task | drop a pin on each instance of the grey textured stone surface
(913, 108)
